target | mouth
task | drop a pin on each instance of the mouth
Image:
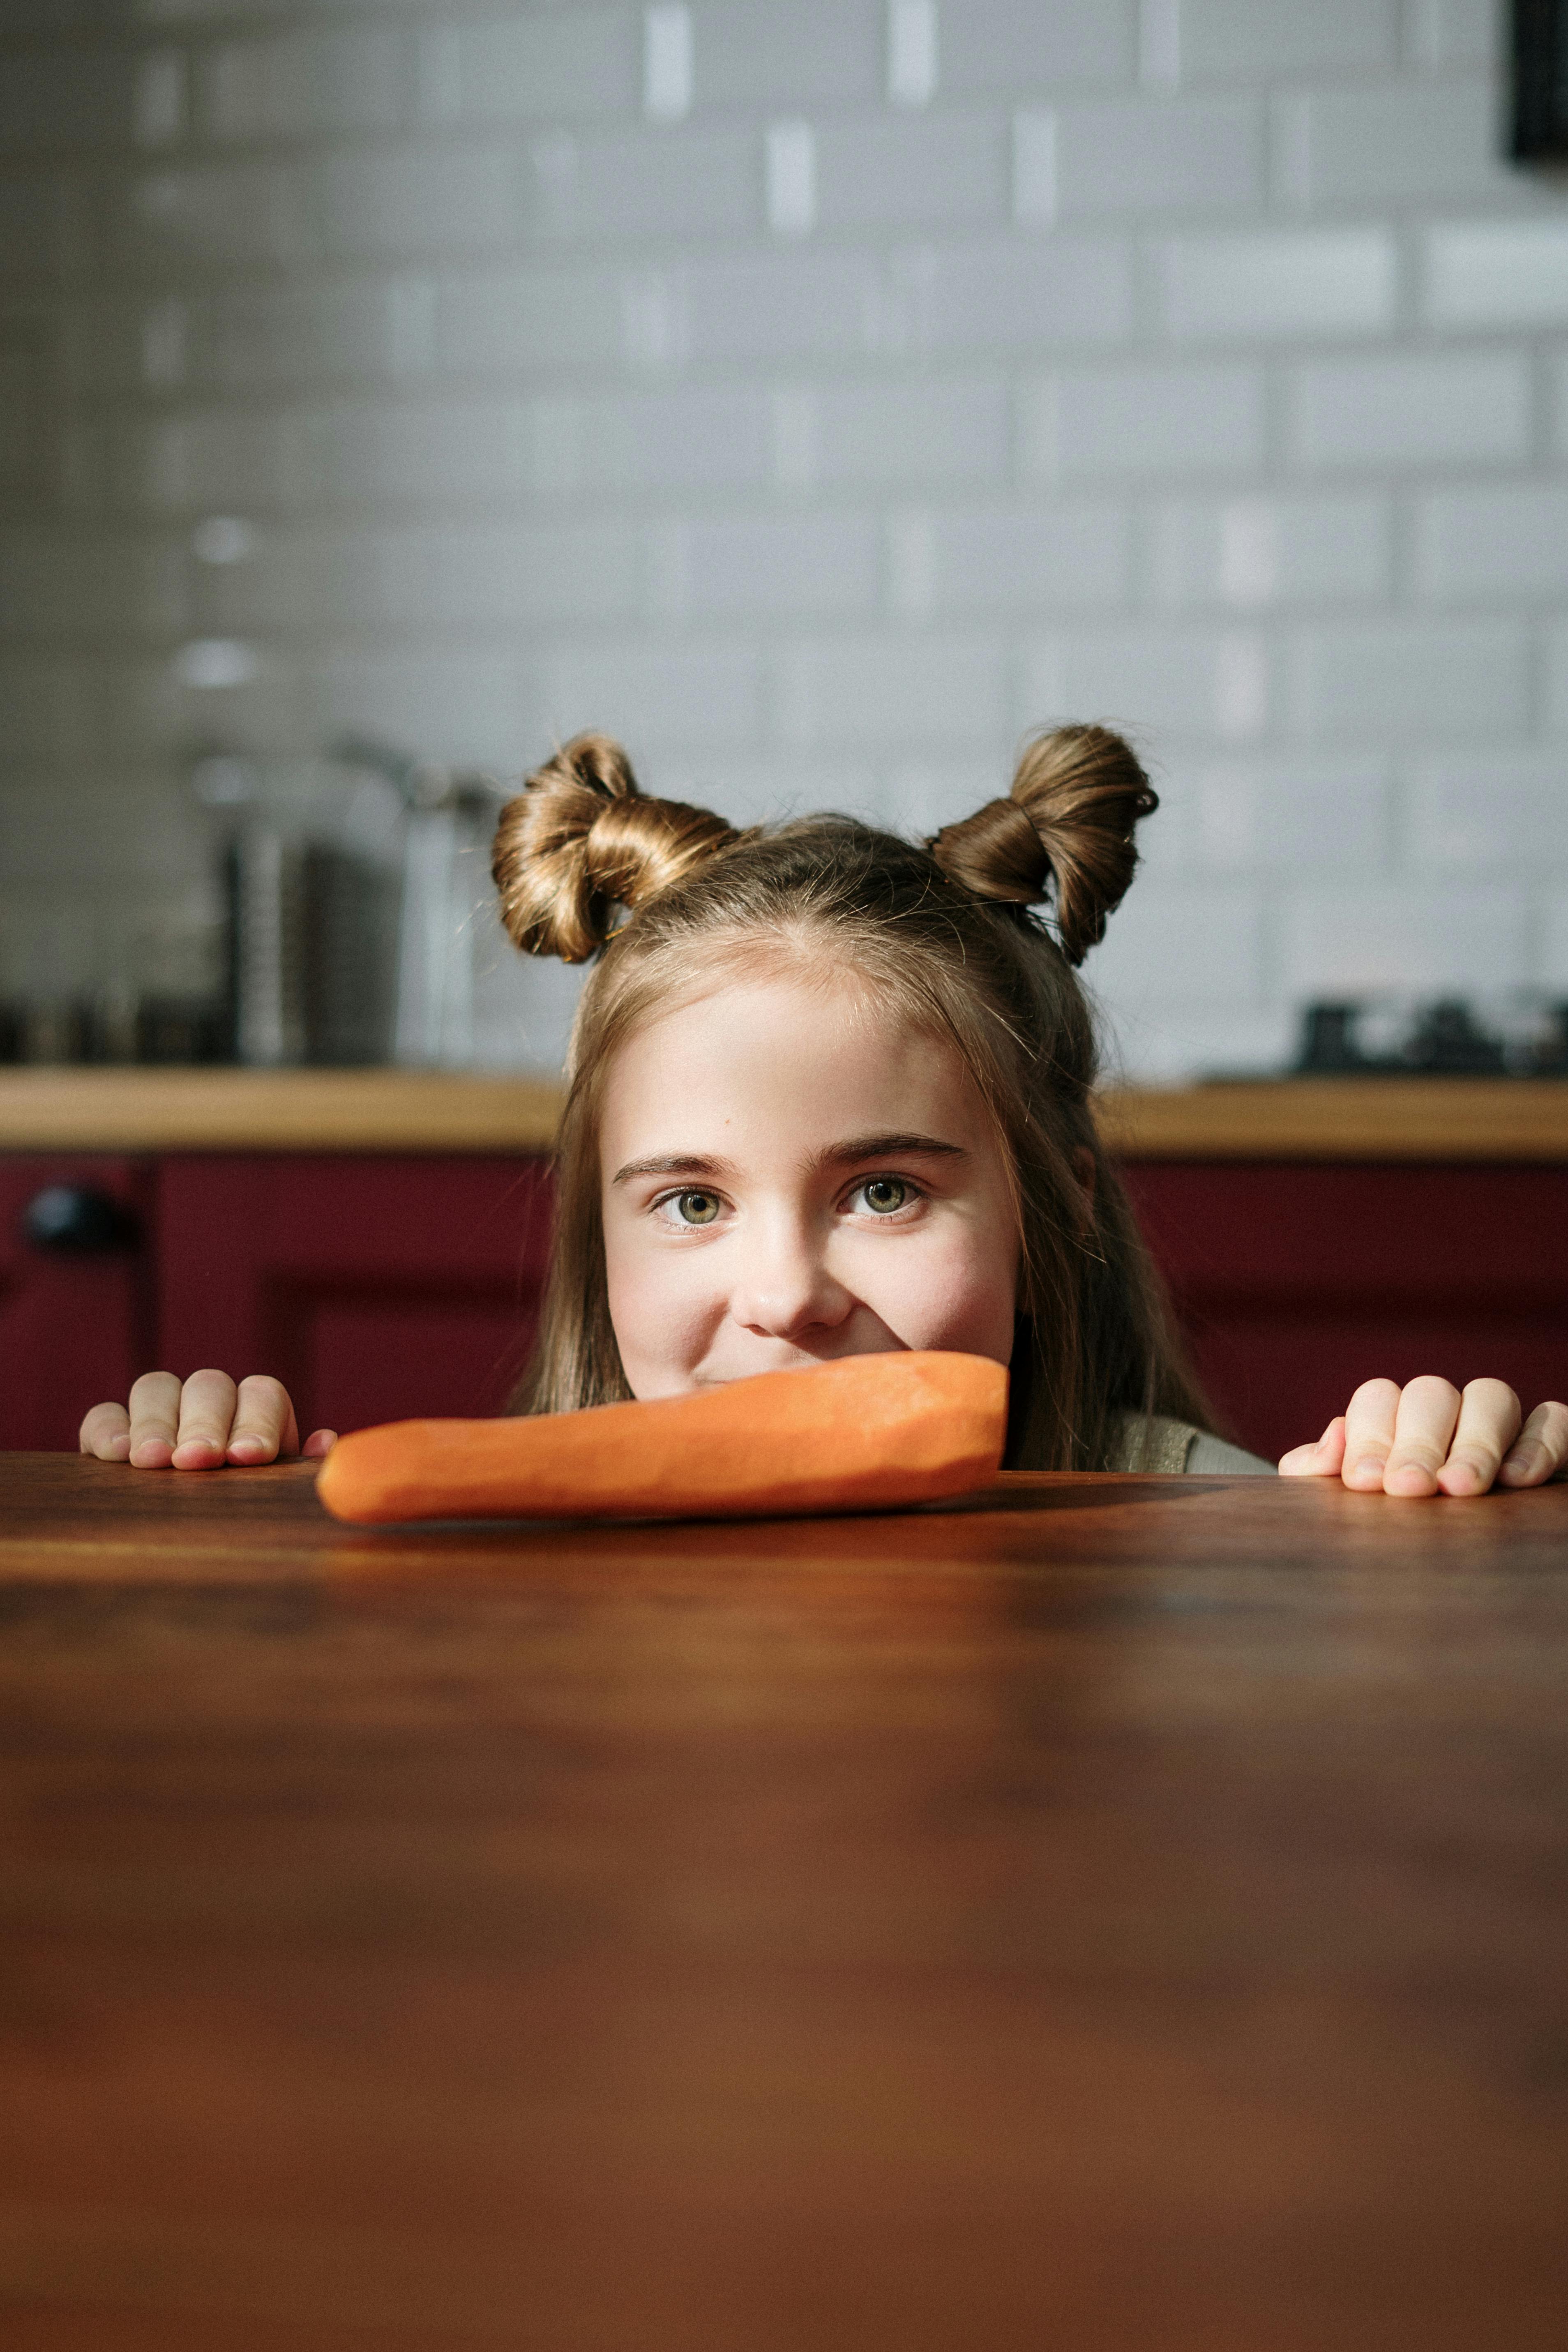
(800, 1361)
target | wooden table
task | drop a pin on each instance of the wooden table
(1133, 1912)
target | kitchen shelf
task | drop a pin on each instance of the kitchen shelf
(1438, 1119)
(159, 1110)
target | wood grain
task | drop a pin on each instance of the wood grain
(1117, 1912)
(427, 1110)
(1342, 1119)
(273, 1110)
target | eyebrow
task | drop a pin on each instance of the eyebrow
(673, 1164)
(892, 1144)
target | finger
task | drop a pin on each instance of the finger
(1322, 1460)
(154, 1418)
(319, 1444)
(264, 1425)
(1423, 1431)
(1539, 1451)
(105, 1432)
(207, 1416)
(1488, 1425)
(1369, 1433)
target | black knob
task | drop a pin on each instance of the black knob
(73, 1218)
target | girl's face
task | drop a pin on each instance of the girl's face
(792, 1174)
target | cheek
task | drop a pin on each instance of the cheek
(959, 1293)
(660, 1307)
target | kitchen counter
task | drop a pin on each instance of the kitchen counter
(170, 1110)
(158, 1110)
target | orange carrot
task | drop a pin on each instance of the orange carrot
(866, 1433)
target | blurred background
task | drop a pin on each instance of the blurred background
(816, 393)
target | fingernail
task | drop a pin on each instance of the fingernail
(1370, 1468)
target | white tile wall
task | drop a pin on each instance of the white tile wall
(951, 430)
(1252, 554)
(1452, 32)
(1490, 813)
(1411, 681)
(751, 53)
(1498, 273)
(514, 325)
(1006, 47)
(1508, 544)
(770, 567)
(1275, 284)
(1557, 684)
(419, 201)
(771, 307)
(1344, 149)
(1253, 40)
(676, 695)
(1414, 411)
(297, 84)
(535, 69)
(1358, 939)
(819, 393)
(1155, 157)
(1012, 295)
(1004, 557)
(1160, 681)
(1301, 816)
(628, 187)
(911, 172)
(1553, 964)
(471, 704)
(1137, 423)
(897, 693)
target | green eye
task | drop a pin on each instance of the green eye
(884, 1194)
(696, 1208)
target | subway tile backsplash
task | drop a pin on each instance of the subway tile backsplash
(819, 393)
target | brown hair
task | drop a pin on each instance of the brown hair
(943, 931)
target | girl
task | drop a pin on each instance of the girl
(830, 1094)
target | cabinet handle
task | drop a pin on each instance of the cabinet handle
(73, 1220)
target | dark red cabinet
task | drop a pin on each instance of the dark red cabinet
(77, 1322)
(383, 1286)
(376, 1288)
(1294, 1282)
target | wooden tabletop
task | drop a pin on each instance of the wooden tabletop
(442, 1111)
(1129, 1912)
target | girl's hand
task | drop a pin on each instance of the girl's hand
(1427, 1439)
(200, 1425)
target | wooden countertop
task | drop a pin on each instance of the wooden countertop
(1133, 1915)
(436, 1111)
(273, 1110)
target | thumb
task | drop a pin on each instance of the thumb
(1323, 1460)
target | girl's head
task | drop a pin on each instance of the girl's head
(829, 1092)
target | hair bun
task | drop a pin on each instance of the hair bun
(581, 839)
(1077, 795)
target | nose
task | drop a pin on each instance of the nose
(783, 1287)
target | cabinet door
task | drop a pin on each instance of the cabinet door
(1294, 1284)
(75, 1313)
(376, 1288)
